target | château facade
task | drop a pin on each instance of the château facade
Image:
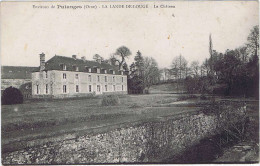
(62, 77)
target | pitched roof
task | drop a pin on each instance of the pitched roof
(55, 64)
(17, 72)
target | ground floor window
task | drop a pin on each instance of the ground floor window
(98, 88)
(37, 89)
(105, 87)
(89, 88)
(114, 87)
(64, 89)
(122, 87)
(46, 88)
(77, 88)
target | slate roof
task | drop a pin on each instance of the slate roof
(55, 64)
(17, 72)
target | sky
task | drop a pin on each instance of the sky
(161, 33)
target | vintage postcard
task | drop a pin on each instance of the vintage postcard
(149, 82)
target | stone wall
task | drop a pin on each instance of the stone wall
(150, 142)
(5, 83)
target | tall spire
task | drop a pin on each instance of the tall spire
(210, 53)
(210, 46)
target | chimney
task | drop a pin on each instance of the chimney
(42, 61)
(83, 58)
(74, 57)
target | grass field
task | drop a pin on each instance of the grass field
(46, 119)
(42, 119)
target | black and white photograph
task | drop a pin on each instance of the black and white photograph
(142, 82)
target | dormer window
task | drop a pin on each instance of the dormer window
(111, 71)
(63, 66)
(114, 72)
(98, 70)
(75, 68)
(105, 71)
(89, 70)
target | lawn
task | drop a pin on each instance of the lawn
(47, 118)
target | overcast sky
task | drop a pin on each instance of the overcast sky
(26, 32)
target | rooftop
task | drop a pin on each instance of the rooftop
(17, 72)
(56, 62)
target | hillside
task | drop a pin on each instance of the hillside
(167, 88)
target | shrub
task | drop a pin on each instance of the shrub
(110, 100)
(12, 95)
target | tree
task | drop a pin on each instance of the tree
(98, 57)
(211, 54)
(253, 41)
(12, 95)
(139, 63)
(179, 67)
(136, 81)
(195, 68)
(121, 54)
(151, 73)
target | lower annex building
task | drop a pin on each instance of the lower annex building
(62, 77)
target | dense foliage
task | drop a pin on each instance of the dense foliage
(234, 72)
(12, 95)
(110, 100)
(144, 73)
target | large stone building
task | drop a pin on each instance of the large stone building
(62, 77)
(19, 77)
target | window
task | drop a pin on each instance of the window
(105, 78)
(89, 78)
(76, 76)
(64, 76)
(75, 68)
(98, 78)
(105, 71)
(46, 88)
(98, 88)
(114, 87)
(46, 76)
(122, 87)
(105, 87)
(89, 70)
(98, 70)
(114, 79)
(122, 79)
(63, 67)
(77, 88)
(37, 89)
(64, 89)
(89, 88)
(37, 75)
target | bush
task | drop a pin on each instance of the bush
(110, 100)
(12, 95)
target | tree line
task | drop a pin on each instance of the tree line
(234, 72)
(141, 75)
